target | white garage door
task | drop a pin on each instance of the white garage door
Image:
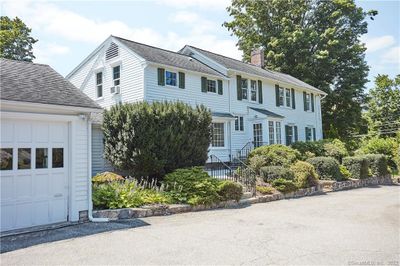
(34, 173)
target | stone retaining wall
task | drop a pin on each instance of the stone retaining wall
(161, 210)
(355, 183)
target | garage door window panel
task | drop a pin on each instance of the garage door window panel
(24, 158)
(6, 158)
(58, 158)
(41, 158)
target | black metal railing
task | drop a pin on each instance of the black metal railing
(216, 168)
(243, 153)
(245, 175)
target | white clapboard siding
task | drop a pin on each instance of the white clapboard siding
(99, 164)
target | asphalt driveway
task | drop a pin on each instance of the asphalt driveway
(356, 227)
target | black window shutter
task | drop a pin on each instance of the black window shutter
(306, 129)
(296, 137)
(260, 95)
(288, 138)
(239, 87)
(312, 102)
(220, 88)
(305, 100)
(277, 94)
(203, 84)
(161, 76)
(293, 99)
(181, 80)
(314, 136)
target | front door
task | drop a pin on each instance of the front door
(257, 134)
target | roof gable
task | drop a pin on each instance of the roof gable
(38, 83)
(166, 57)
(237, 65)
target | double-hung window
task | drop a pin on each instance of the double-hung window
(281, 96)
(116, 75)
(288, 97)
(211, 86)
(253, 90)
(278, 133)
(99, 84)
(307, 102)
(218, 135)
(239, 123)
(308, 133)
(171, 78)
(271, 132)
(244, 88)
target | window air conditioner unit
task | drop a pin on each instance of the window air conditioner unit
(115, 90)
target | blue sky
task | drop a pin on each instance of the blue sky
(68, 31)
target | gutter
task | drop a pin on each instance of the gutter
(89, 148)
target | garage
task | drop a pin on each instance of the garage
(44, 146)
(34, 183)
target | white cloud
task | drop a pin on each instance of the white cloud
(66, 25)
(378, 43)
(204, 4)
(48, 52)
(392, 56)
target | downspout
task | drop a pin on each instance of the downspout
(89, 148)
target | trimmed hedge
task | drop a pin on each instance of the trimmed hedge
(357, 166)
(378, 164)
(327, 168)
(304, 174)
(308, 148)
(276, 155)
(284, 185)
(153, 139)
(229, 190)
(270, 173)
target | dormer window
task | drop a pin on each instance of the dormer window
(170, 78)
(116, 75)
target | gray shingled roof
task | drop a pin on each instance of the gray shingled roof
(266, 112)
(169, 58)
(37, 83)
(237, 65)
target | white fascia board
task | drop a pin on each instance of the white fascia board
(44, 108)
(88, 58)
(222, 77)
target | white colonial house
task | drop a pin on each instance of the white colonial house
(45, 164)
(249, 104)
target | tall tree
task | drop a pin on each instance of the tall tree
(317, 41)
(384, 106)
(15, 39)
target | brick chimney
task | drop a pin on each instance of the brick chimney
(257, 57)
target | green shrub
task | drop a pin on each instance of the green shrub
(386, 146)
(377, 164)
(327, 168)
(229, 190)
(304, 174)
(256, 162)
(192, 185)
(284, 185)
(106, 177)
(152, 139)
(264, 190)
(269, 173)
(309, 148)
(345, 173)
(336, 149)
(276, 155)
(127, 194)
(357, 166)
